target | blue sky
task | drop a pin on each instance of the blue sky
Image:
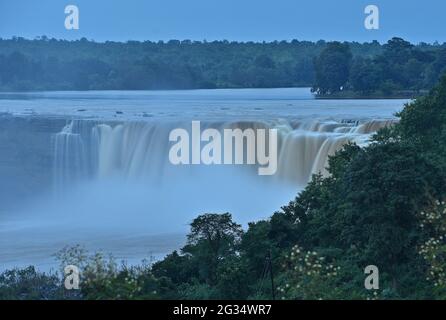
(240, 20)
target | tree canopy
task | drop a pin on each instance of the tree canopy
(365, 68)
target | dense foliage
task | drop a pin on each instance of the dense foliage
(401, 69)
(381, 205)
(366, 68)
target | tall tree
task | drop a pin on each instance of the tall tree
(213, 238)
(332, 68)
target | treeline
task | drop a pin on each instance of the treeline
(381, 205)
(400, 69)
(50, 64)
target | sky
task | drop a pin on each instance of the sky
(235, 20)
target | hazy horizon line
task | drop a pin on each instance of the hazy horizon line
(185, 40)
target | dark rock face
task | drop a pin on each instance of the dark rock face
(26, 157)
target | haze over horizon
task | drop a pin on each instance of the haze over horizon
(261, 20)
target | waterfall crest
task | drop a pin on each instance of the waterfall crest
(139, 150)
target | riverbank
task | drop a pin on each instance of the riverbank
(378, 95)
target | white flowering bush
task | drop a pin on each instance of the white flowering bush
(309, 276)
(433, 221)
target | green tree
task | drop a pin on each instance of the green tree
(365, 76)
(332, 68)
(212, 239)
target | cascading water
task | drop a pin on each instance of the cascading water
(74, 154)
(139, 150)
(70, 159)
(307, 146)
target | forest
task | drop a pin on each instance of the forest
(382, 205)
(397, 68)
(400, 69)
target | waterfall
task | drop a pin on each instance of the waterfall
(70, 156)
(134, 150)
(75, 154)
(372, 126)
(139, 150)
(307, 147)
